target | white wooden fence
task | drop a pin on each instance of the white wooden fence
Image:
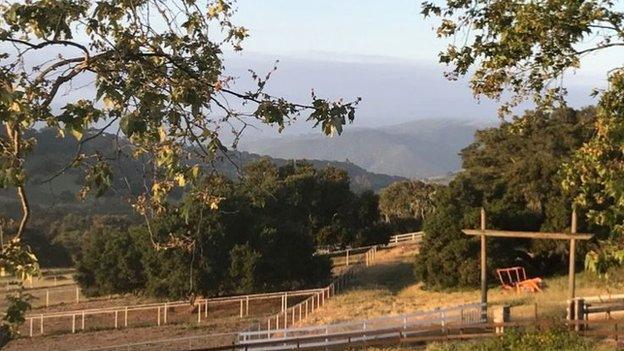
(300, 311)
(288, 316)
(152, 313)
(48, 278)
(407, 238)
(292, 338)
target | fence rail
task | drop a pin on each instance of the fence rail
(153, 313)
(583, 307)
(48, 278)
(415, 237)
(288, 316)
(390, 336)
(470, 313)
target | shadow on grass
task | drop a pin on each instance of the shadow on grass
(391, 276)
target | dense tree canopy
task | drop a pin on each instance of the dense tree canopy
(157, 70)
(404, 205)
(263, 236)
(523, 49)
(515, 172)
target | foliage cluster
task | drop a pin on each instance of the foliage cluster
(404, 205)
(519, 50)
(263, 236)
(514, 171)
(531, 340)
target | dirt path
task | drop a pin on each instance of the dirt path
(104, 338)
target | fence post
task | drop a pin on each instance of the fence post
(126, 317)
(241, 308)
(73, 323)
(165, 311)
(31, 326)
(77, 295)
(47, 298)
(501, 316)
(82, 322)
(347, 257)
(306, 311)
(293, 316)
(199, 311)
(41, 325)
(535, 311)
(579, 312)
(300, 312)
(158, 308)
(206, 309)
(116, 319)
(247, 305)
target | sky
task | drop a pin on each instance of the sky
(346, 27)
(384, 52)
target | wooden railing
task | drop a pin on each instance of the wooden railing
(392, 336)
(150, 313)
(589, 305)
(415, 237)
(331, 332)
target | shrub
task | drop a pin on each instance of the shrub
(553, 340)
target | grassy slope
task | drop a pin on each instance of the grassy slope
(390, 288)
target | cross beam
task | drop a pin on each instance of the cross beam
(528, 235)
(572, 236)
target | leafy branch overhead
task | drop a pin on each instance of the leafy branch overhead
(523, 47)
(157, 69)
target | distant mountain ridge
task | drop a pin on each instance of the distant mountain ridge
(59, 194)
(420, 149)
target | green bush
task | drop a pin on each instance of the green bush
(554, 340)
(513, 172)
(110, 262)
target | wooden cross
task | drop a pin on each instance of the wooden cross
(572, 236)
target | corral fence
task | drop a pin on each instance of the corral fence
(237, 307)
(287, 316)
(45, 297)
(584, 308)
(49, 278)
(407, 238)
(358, 255)
(160, 313)
(333, 334)
(56, 286)
(419, 335)
(299, 312)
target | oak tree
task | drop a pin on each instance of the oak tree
(158, 72)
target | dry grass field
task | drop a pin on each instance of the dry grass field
(386, 288)
(389, 287)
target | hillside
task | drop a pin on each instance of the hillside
(419, 149)
(51, 154)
